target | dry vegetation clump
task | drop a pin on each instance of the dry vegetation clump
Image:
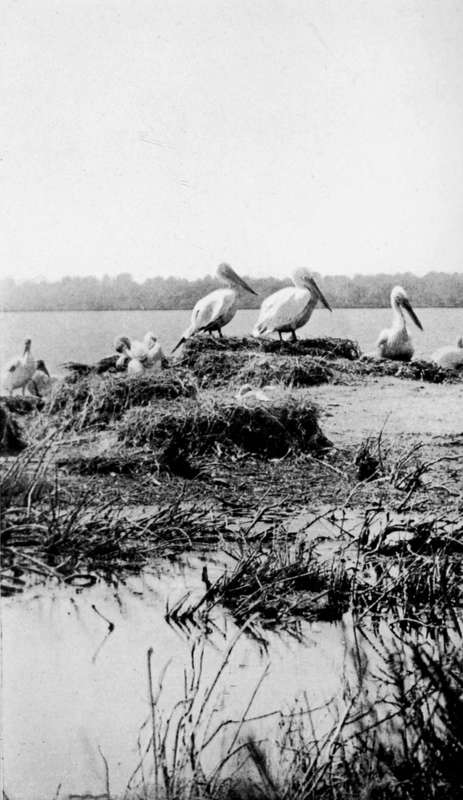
(95, 400)
(288, 371)
(325, 346)
(201, 426)
(418, 370)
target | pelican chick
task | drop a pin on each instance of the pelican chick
(395, 342)
(449, 357)
(154, 355)
(131, 355)
(247, 392)
(217, 308)
(19, 370)
(41, 382)
(290, 308)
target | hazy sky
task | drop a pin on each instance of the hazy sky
(165, 136)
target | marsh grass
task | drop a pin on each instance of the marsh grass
(402, 739)
(275, 585)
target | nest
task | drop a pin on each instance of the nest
(93, 400)
(325, 346)
(418, 370)
(192, 427)
(289, 371)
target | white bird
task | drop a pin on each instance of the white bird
(289, 309)
(131, 355)
(248, 393)
(20, 370)
(214, 311)
(41, 382)
(395, 342)
(450, 357)
(154, 352)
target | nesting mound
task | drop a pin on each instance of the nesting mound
(289, 371)
(302, 363)
(327, 346)
(197, 428)
(99, 400)
(418, 370)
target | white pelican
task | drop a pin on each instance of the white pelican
(214, 311)
(395, 342)
(290, 308)
(41, 382)
(20, 370)
(450, 357)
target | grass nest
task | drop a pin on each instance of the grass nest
(288, 371)
(197, 427)
(418, 370)
(324, 346)
(100, 400)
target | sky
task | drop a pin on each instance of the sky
(161, 137)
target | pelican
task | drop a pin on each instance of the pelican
(290, 308)
(154, 352)
(131, 355)
(450, 357)
(214, 311)
(20, 370)
(41, 382)
(248, 393)
(395, 342)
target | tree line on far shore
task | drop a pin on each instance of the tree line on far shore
(436, 289)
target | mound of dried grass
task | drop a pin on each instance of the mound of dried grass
(288, 421)
(289, 371)
(95, 400)
(328, 347)
(418, 370)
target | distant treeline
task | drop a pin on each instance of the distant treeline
(122, 292)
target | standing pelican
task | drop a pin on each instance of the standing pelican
(395, 342)
(214, 311)
(450, 357)
(290, 308)
(20, 370)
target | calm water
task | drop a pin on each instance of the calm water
(87, 336)
(70, 687)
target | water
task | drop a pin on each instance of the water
(71, 688)
(88, 335)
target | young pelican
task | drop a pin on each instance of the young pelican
(450, 357)
(154, 352)
(290, 308)
(41, 382)
(131, 355)
(395, 342)
(20, 370)
(214, 311)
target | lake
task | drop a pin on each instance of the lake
(88, 335)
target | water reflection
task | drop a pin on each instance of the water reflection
(75, 681)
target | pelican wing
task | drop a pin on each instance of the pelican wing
(217, 307)
(282, 310)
